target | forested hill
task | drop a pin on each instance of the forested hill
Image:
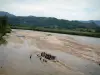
(49, 22)
(52, 23)
(95, 21)
(2, 13)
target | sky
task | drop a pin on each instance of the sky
(61, 9)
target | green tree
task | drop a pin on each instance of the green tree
(4, 28)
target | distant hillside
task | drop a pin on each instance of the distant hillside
(96, 21)
(48, 22)
(2, 13)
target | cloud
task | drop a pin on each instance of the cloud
(65, 9)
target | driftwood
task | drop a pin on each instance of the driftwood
(48, 56)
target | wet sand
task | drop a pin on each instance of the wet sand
(75, 57)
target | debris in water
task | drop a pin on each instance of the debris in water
(98, 63)
(44, 60)
(30, 56)
(43, 56)
(48, 56)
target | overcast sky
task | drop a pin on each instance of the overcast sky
(62, 9)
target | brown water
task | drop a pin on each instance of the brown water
(86, 40)
(14, 60)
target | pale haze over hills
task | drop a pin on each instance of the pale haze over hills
(61, 9)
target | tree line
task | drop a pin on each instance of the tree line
(4, 28)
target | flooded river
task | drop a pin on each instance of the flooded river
(15, 56)
(86, 40)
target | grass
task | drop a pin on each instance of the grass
(62, 31)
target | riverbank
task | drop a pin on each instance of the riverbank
(61, 31)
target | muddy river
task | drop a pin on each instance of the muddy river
(75, 55)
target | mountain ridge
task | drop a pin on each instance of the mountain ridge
(2, 13)
(48, 21)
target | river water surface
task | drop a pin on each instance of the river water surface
(14, 57)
